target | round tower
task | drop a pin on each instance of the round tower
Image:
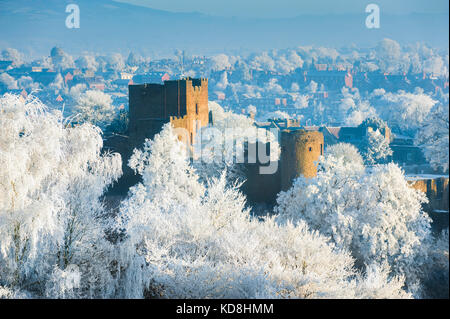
(300, 151)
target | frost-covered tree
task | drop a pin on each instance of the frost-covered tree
(373, 213)
(346, 152)
(95, 107)
(391, 58)
(407, 111)
(219, 146)
(362, 111)
(87, 62)
(76, 90)
(275, 115)
(302, 102)
(262, 62)
(295, 87)
(182, 239)
(433, 138)
(352, 109)
(286, 63)
(52, 222)
(251, 109)
(116, 62)
(26, 82)
(368, 66)
(223, 82)
(375, 148)
(60, 59)
(436, 281)
(57, 84)
(8, 81)
(134, 59)
(272, 87)
(13, 55)
(220, 62)
(435, 66)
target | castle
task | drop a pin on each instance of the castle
(183, 103)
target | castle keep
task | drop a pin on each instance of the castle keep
(183, 103)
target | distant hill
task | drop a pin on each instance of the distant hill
(34, 26)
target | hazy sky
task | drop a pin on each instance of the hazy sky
(291, 8)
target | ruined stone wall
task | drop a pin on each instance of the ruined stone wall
(146, 104)
(259, 187)
(300, 151)
(437, 193)
(436, 190)
(196, 104)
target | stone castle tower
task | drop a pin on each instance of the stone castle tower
(184, 103)
(300, 149)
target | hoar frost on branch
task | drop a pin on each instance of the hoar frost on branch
(405, 110)
(347, 153)
(375, 148)
(184, 239)
(13, 55)
(372, 212)
(52, 221)
(95, 107)
(220, 62)
(8, 81)
(433, 137)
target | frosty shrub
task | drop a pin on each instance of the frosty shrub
(52, 241)
(437, 272)
(346, 152)
(183, 239)
(372, 212)
(95, 107)
(404, 110)
(433, 137)
(375, 148)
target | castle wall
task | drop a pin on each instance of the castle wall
(146, 102)
(181, 102)
(260, 187)
(437, 192)
(300, 150)
(197, 112)
(175, 98)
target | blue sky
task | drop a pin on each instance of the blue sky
(291, 8)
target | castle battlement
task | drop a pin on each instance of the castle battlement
(184, 103)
